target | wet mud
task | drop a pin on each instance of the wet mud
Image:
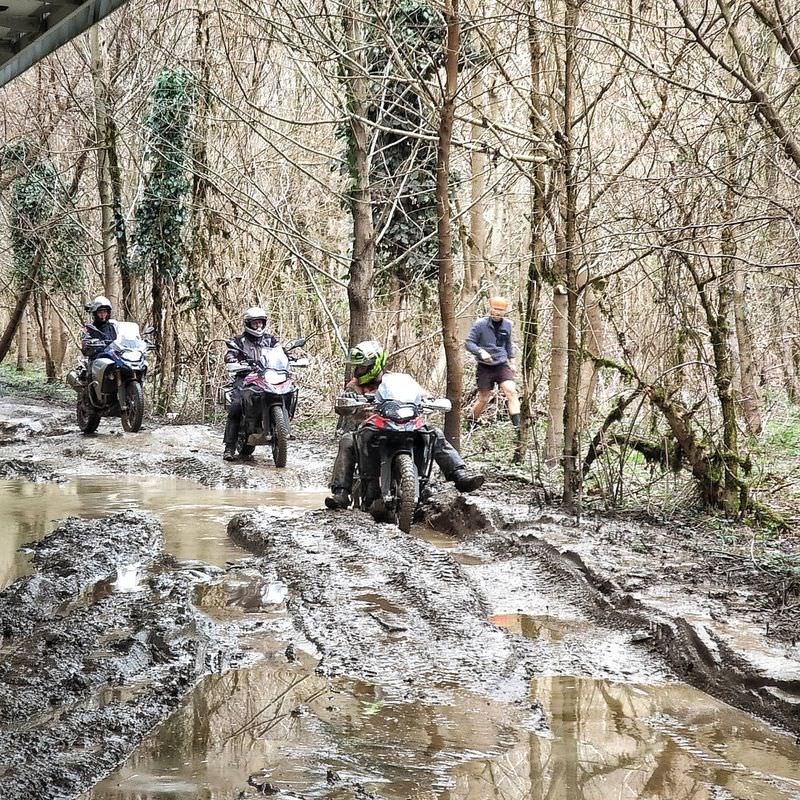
(96, 647)
(499, 651)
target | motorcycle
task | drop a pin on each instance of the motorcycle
(394, 448)
(110, 384)
(269, 400)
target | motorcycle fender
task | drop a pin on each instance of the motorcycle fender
(121, 396)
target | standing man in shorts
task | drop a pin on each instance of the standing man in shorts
(489, 340)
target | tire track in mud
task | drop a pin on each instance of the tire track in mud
(701, 659)
(437, 629)
(85, 669)
(692, 652)
(384, 606)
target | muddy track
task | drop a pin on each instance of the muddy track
(89, 665)
(380, 605)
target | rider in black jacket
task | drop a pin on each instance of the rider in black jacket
(101, 328)
(249, 347)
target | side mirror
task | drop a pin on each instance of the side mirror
(293, 345)
(347, 405)
(439, 404)
(148, 329)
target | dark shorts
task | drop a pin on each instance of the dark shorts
(487, 375)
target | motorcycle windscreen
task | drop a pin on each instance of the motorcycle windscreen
(400, 388)
(128, 337)
(276, 358)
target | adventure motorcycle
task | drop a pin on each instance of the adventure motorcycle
(394, 448)
(269, 400)
(110, 384)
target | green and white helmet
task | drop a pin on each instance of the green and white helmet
(369, 360)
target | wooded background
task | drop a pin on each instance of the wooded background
(626, 173)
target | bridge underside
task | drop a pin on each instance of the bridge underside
(30, 29)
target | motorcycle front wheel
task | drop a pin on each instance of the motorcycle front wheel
(134, 400)
(87, 420)
(404, 480)
(280, 436)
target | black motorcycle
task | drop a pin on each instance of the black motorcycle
(394, 449)
(110, 384)
(269, 400)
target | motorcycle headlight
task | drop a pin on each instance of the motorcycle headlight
(274, 377)
(132, 355)
(399, 412)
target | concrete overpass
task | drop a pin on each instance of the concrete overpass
(30, 29)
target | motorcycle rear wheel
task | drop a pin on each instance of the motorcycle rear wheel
(87, 420)
(134, 400)
(403, 479)
(280, 436)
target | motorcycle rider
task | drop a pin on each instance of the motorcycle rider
(102, 327)
(250, 346)
(369, 359)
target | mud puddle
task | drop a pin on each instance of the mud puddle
(193, 516)
(282, 730)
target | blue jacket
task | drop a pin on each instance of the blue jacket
(482, 337)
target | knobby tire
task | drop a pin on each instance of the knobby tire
(405, 485)
(134, 399)
(280, 436)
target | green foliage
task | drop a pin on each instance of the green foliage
(43, 220)
(403, 171)
(161, 212)
(32, 383)
(782, 435)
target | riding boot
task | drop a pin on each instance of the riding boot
(231, 435)
(465, 482)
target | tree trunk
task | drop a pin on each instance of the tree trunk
(447, 300)
(593, 347)
(782, 343)
(42, 312)
(529, 332)
(362, 263)
(572, 474)
(750, 401)
(58, 338)
(556, 384)
(107, 233)
(19, 308)
(22, 343)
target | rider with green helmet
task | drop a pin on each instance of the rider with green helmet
(368, 360)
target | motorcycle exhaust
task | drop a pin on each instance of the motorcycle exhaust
(74, 382)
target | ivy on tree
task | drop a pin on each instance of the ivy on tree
(43, 220)
(161, 212)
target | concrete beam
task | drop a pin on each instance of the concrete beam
(64, 23)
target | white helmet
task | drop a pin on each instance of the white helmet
(251, 315)
(98, 303)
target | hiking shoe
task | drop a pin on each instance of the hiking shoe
(230, 453)
(338, 500)
(465, 482)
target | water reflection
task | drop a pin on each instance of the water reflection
(194, 516)
(608, 741)
(627, 742)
